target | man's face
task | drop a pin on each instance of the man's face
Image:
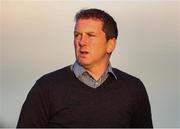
(91, 46)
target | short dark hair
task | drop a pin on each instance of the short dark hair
(109, 24)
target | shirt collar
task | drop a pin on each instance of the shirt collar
(79, 70)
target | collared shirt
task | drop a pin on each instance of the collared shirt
(84, 76)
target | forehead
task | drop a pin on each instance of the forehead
(93, 24)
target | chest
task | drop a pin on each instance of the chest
(111, 108)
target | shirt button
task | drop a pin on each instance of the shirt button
(96, 83)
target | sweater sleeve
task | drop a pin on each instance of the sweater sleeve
(35, 110)
(142, 110)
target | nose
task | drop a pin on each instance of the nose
(83, 40)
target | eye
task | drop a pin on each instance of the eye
(91, 35)
(76, 34)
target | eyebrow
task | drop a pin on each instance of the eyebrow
(91, 32)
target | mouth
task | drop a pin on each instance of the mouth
(83, 53)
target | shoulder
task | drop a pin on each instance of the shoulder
(60, 74)
(55, 79)
(51, 84)
(131, 85)
(124, 76)
(127, 79)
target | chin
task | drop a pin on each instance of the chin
(83, 63)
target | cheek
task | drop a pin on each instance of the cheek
(75, 45)
(96, 50)
(100, 47)
(75, 49)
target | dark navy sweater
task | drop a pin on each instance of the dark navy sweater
(59, 99)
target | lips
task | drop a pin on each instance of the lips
(83, 53)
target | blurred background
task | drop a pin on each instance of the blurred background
(36, 37)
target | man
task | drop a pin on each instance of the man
(90, 93)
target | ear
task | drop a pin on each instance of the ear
(111, 44)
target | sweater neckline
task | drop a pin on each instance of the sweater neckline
(80, 85)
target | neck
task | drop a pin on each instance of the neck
(98, 70)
